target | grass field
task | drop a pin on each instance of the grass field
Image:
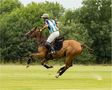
(79, 77)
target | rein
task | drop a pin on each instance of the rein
(40, 38)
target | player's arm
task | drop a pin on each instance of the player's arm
(58, 27)
(44, 27)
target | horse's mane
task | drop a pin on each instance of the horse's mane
(40, 37)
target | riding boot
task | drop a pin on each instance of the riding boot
(49, 47)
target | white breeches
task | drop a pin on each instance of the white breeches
(52, 36)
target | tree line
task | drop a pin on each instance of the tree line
(90, 24)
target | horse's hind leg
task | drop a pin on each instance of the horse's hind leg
(61, 71)
(68, 63)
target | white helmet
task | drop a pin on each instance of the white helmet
(45, 15)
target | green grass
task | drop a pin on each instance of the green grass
(78, 77)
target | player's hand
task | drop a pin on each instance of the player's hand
(40, 30)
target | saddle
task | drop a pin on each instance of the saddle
(57, 44)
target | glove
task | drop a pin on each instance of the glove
(40, 30)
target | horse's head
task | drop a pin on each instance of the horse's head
(34, 33)
(37, 34)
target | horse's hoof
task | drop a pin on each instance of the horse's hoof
(57, 75)
(51, 66)
(27, 66)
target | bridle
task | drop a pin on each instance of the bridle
(37, 35)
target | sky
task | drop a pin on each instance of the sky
(68, 4)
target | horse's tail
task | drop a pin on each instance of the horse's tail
(89, 49)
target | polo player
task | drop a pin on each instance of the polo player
(53, 30)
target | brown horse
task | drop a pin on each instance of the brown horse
(70, 50)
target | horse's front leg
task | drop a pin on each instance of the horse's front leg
(43, 62)
(31, 58)
(39, 55)
(29, 61)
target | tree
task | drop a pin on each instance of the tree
(7, 6)
(15, 22)
(96, 17)
(71, 28)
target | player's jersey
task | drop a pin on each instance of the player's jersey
(51, 25)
